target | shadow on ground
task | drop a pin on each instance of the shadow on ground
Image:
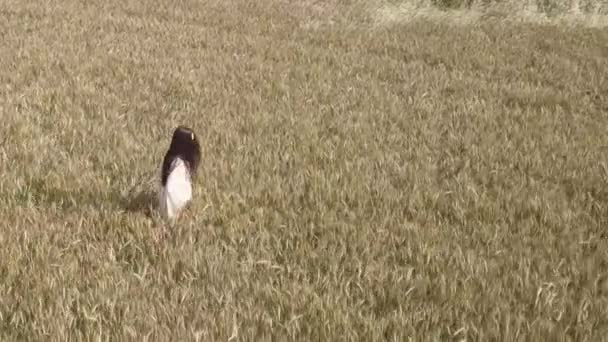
(40, 193)
(140, 202)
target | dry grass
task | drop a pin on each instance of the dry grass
(360, 182)
(562, 13)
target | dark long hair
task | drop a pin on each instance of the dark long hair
(184, 145)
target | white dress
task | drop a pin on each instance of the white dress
(177, 191)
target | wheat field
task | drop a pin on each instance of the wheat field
(371, 171)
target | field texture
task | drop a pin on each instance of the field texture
(371, 170)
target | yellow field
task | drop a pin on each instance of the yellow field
(371, 171)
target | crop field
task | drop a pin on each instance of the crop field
(371, 170)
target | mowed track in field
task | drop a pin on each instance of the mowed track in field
(363, 177)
